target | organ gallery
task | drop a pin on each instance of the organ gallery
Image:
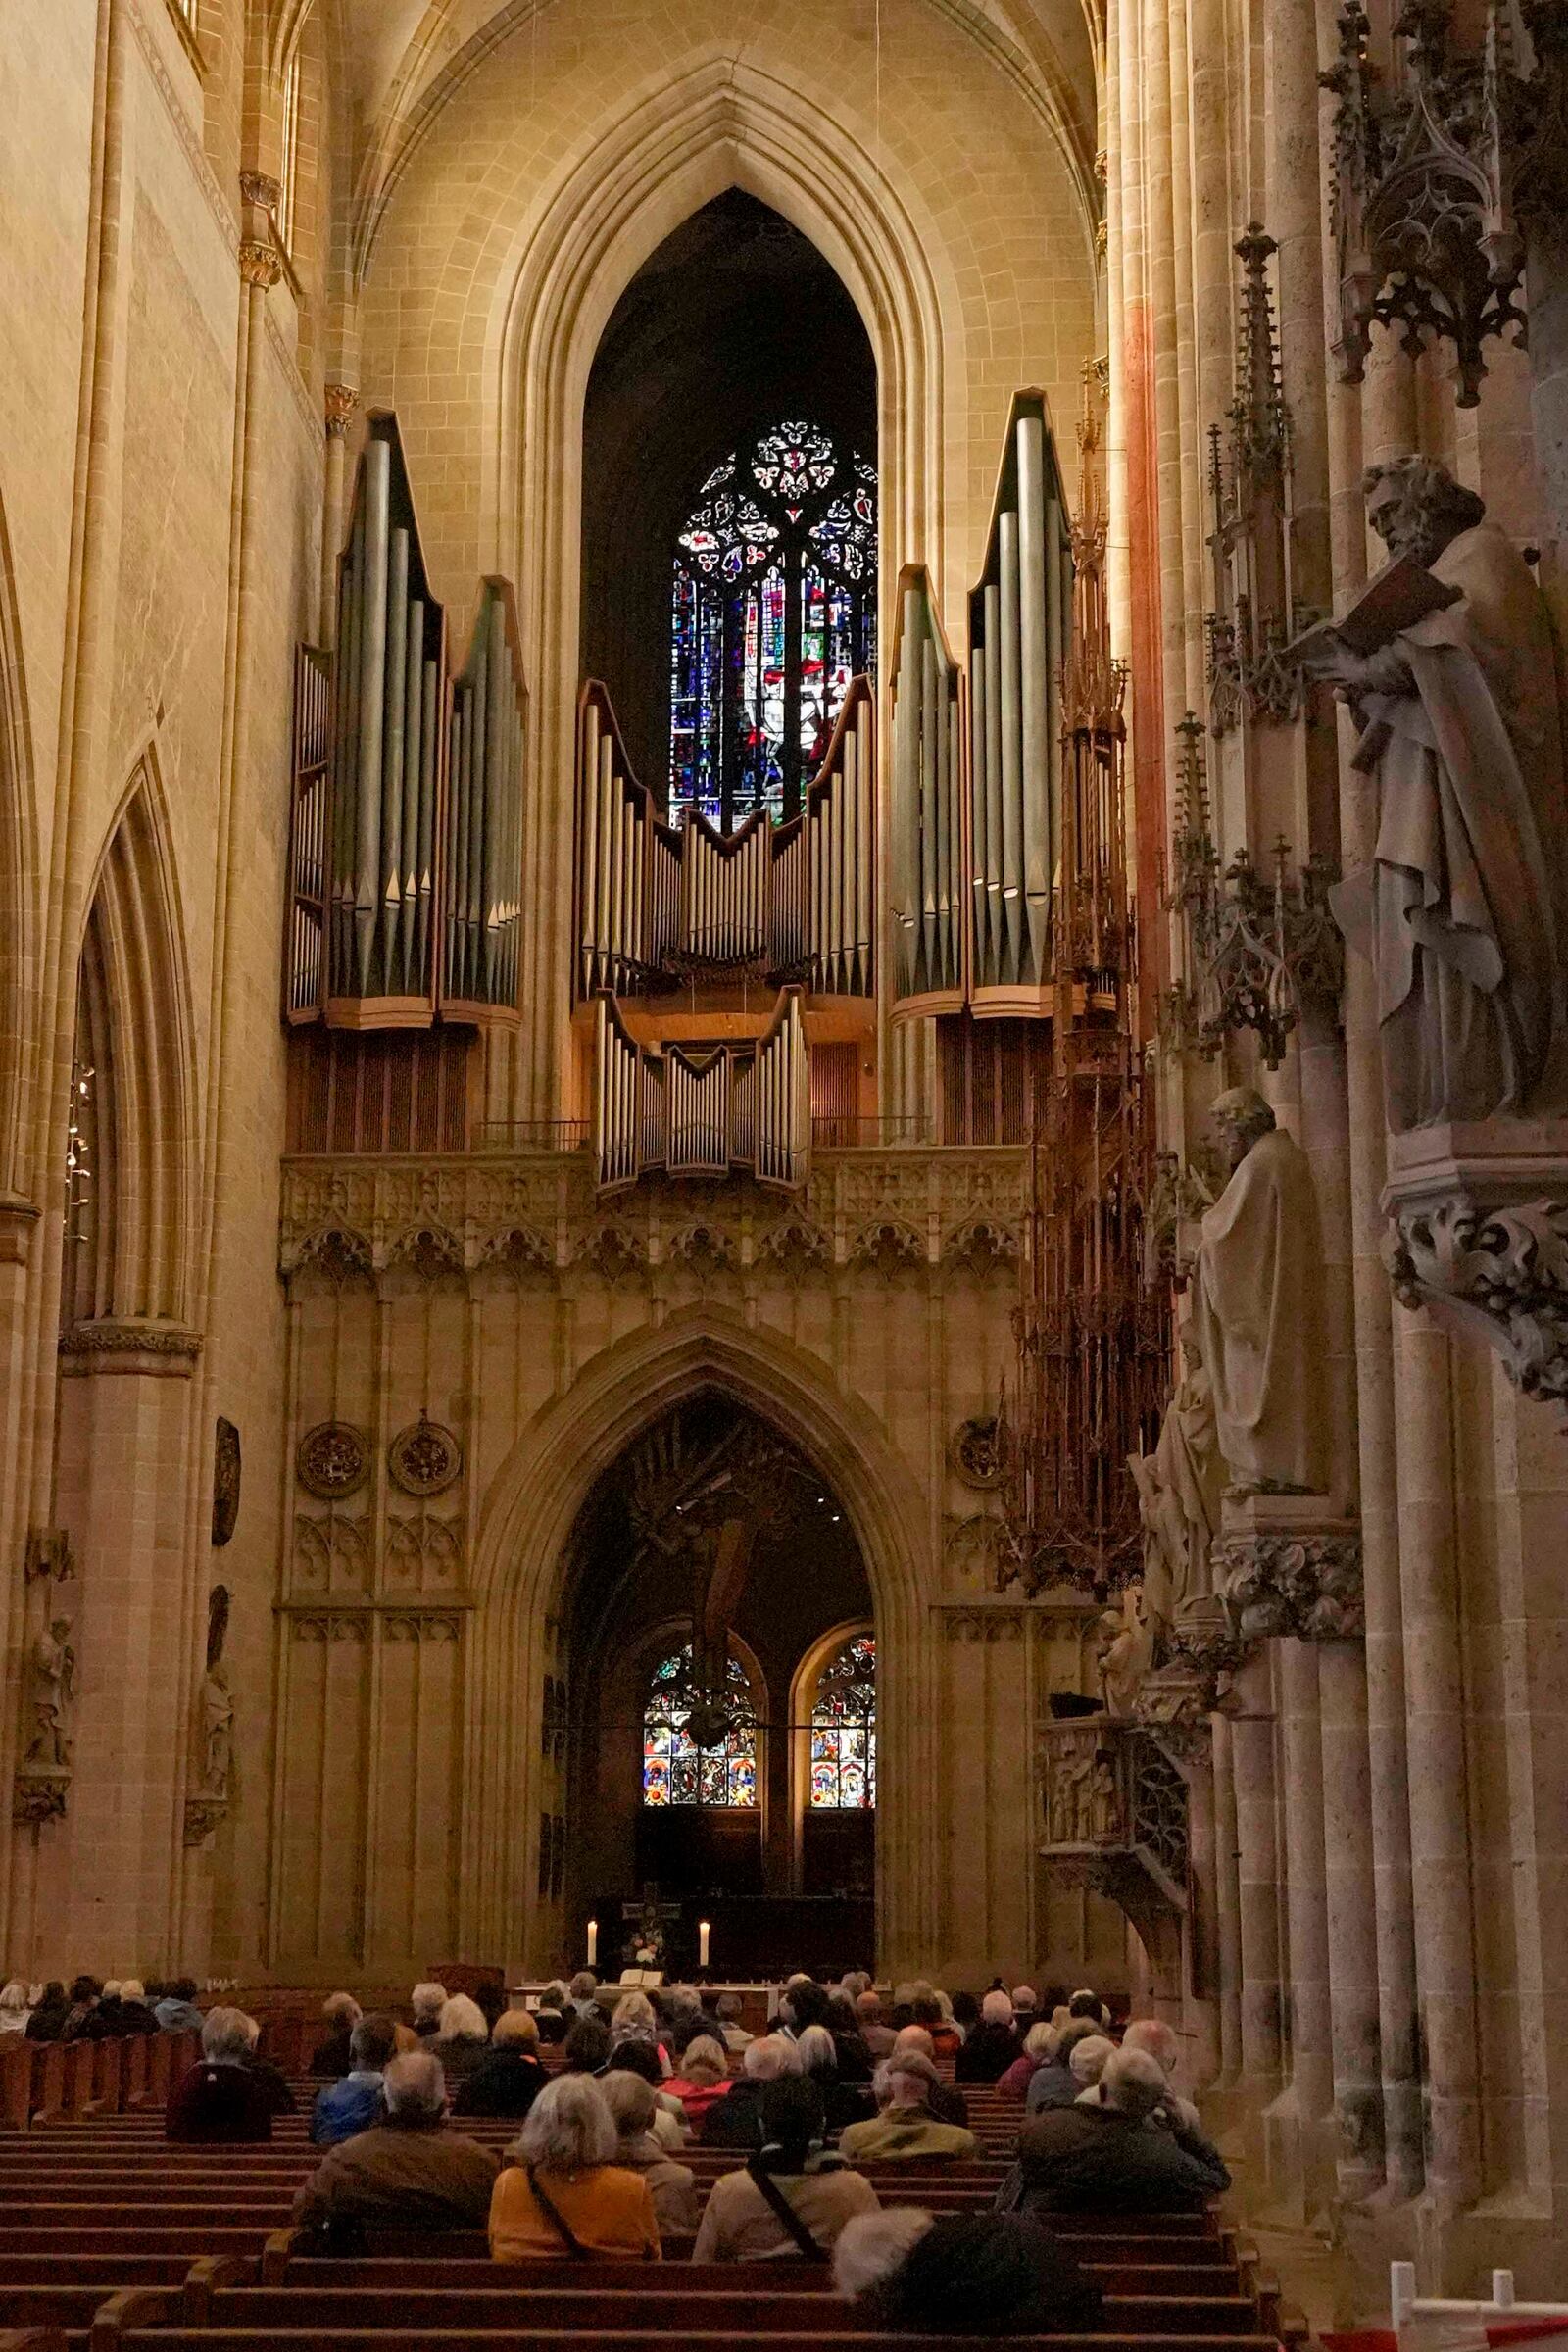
(784, 1029)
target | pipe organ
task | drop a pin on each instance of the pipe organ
(694, 1111)
(977, 802)
(406, 848)
(930, 834)
(655, 902)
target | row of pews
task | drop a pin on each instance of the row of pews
(111, 2241)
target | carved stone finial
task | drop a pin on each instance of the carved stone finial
(342, 400)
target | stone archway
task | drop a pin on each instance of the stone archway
(520, 1564)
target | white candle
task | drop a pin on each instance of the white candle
(703, 1933)
(593, 1943)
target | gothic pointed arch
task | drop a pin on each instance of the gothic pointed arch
(18, 867)
(132, 1088)
(524, 1557)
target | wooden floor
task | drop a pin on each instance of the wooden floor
(110, 2237)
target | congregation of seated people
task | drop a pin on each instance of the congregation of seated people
(610, 2089)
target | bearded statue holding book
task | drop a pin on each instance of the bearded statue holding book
(1450, 665)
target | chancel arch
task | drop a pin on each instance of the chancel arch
(529, 1565)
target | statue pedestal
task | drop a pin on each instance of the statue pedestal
(1290, 1564)
(1478, 1233)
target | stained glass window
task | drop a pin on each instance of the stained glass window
(843, 1729)
(675, 1771)
(773, 612)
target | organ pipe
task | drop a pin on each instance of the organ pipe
(405, 837)
(701, 1111)
(655, 903)
(929, 917)
(1018, 629)
(484, 817)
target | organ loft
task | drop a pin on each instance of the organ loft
(784, 1030)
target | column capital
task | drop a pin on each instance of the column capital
(342, 400)
(260, 264)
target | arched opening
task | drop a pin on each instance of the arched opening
(707, 1564)
(734, 327)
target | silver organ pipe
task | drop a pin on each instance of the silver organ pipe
(483, 830)
(839, 855)
(388, 762)
(1018, 621)
(701, 1110)
(654, 901)
(929, 914)
(305, 958)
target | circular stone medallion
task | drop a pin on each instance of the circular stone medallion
(425, 1458)
(332, 1459)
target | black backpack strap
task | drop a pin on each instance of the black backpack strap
(556, 2219)
(774, 2196)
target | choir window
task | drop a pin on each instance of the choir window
(843, 1730)
(773, 614)
(675, 1771)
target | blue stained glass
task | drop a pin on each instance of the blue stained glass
(773, 614)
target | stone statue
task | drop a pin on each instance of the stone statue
(1179, 1488)
(1068, 1782)
(218, 1732)
(53, 1697)
(1255, 1308)
(1104, 1803)
(1126, 1652)
(1463, 910)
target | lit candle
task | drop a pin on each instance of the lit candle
(593, 1943)
(703, 1934)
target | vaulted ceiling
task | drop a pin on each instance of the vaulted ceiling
(396, 57)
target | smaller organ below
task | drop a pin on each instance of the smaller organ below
(699, 1109)
(405, 844)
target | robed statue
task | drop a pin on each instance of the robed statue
(1256, 1288)
(1450, 665)
(1179, 1487)
(52, 1667)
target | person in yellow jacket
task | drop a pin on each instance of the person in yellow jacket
(563, 2192)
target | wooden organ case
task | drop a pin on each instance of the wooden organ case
(405, 849)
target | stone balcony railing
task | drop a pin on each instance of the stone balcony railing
(882, 1210)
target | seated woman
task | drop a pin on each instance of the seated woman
(222, 2098)
(1039, 2048)
(632, 2101)
(565, 2193)
(669, 2125)
(15, 2009)
(703, 2080)
(508, 2078)
(330, 2056)
(975, 2274)
(550, 2027)
(791, 2198)
(587, 2047)
(49, 2013)
(462, 2038)
(633, 2020)
(737, 2119)
(844, 2102)
(425, 2004)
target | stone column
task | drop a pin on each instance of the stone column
(1258, 1880)
(1295, 2136)
(1227, 1905)
(1439, 1807)
(1201, 2021)
(341, 402)
(1351, 1918)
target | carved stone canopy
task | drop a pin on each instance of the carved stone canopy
(1478, 1233)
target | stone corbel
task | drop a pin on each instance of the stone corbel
(1478, 1233)
(204, 1815)
(17, 1217)
(39, 1796)
(1285, 1564)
